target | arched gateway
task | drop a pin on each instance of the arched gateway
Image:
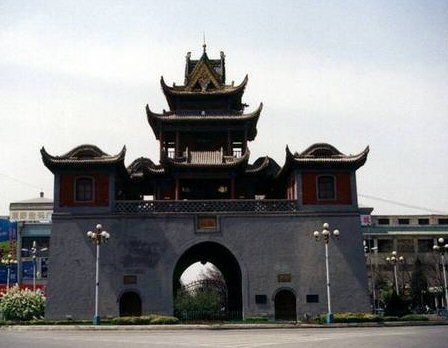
(130, 304)
(224, 260)
(204, 187)
(285, 305)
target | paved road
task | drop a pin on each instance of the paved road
(429, 336)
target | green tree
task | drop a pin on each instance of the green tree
(419, 285)
(395, 305)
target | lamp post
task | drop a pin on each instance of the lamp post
(98, 236)
(33, 251)
(441, 248)
(368, 253)
(7, 261)
(394, 260)
(325, 236)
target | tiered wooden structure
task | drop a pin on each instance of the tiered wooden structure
(204, 157)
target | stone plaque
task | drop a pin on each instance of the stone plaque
(207, 223)
(284, 277)
(129, 279)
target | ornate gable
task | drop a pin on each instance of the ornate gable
(203, 77)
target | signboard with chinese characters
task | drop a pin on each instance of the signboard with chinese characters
(8, 237)
(366, 220)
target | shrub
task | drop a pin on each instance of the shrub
(348, 317)
(208, 300)
(390, 318)
(396, 306)
(414, 317)
(22, 305)
(144, 320)
(256, 319)
(166, 320)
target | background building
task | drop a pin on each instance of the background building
(411, 236)
(32, 219)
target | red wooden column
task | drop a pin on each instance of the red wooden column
(229, 144)
(177, 145)
(161, 143)
(244, 142)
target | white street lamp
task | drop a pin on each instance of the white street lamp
(325, 236)
(368, 253)
(33, 252)
(441, 248)
(7, 261)
(98, 237)
(394, 260)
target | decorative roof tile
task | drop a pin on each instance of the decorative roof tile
(83, 155)
(322, 156)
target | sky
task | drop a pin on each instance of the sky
(350, 73)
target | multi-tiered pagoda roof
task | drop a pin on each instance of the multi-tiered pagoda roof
(204, 142)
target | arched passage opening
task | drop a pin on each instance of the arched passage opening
(285, 305)
(225, 262)
(130, 304)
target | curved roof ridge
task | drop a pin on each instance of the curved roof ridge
(175, 116)
(143, 163)
(323, 155)
(225, 90)
(83, 154)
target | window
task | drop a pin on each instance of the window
(84, 190)
(41, 243)
(425, 245)
(443, 221)
(261, 299)
(312, 298)
(405, 245)
(383, 221)
(423, 221)
(403, 221)
(368, 245)
(385, 245)
(326, 187)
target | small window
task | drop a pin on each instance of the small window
(405, 245)
(385, 245)
(368, 245)
(403, 221)
(443, 221)
(326, 187)
(425, 245)
(312, 298)
(423, 221)
(84, 190)
(261, 299)
(383, 222)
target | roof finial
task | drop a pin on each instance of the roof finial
(204, 46)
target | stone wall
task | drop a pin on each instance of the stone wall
(149, 247)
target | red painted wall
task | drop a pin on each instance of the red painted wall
(343, 188)
(67, 190)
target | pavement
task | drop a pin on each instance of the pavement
(365, 337)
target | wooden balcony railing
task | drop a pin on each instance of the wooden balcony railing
(207, 206)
